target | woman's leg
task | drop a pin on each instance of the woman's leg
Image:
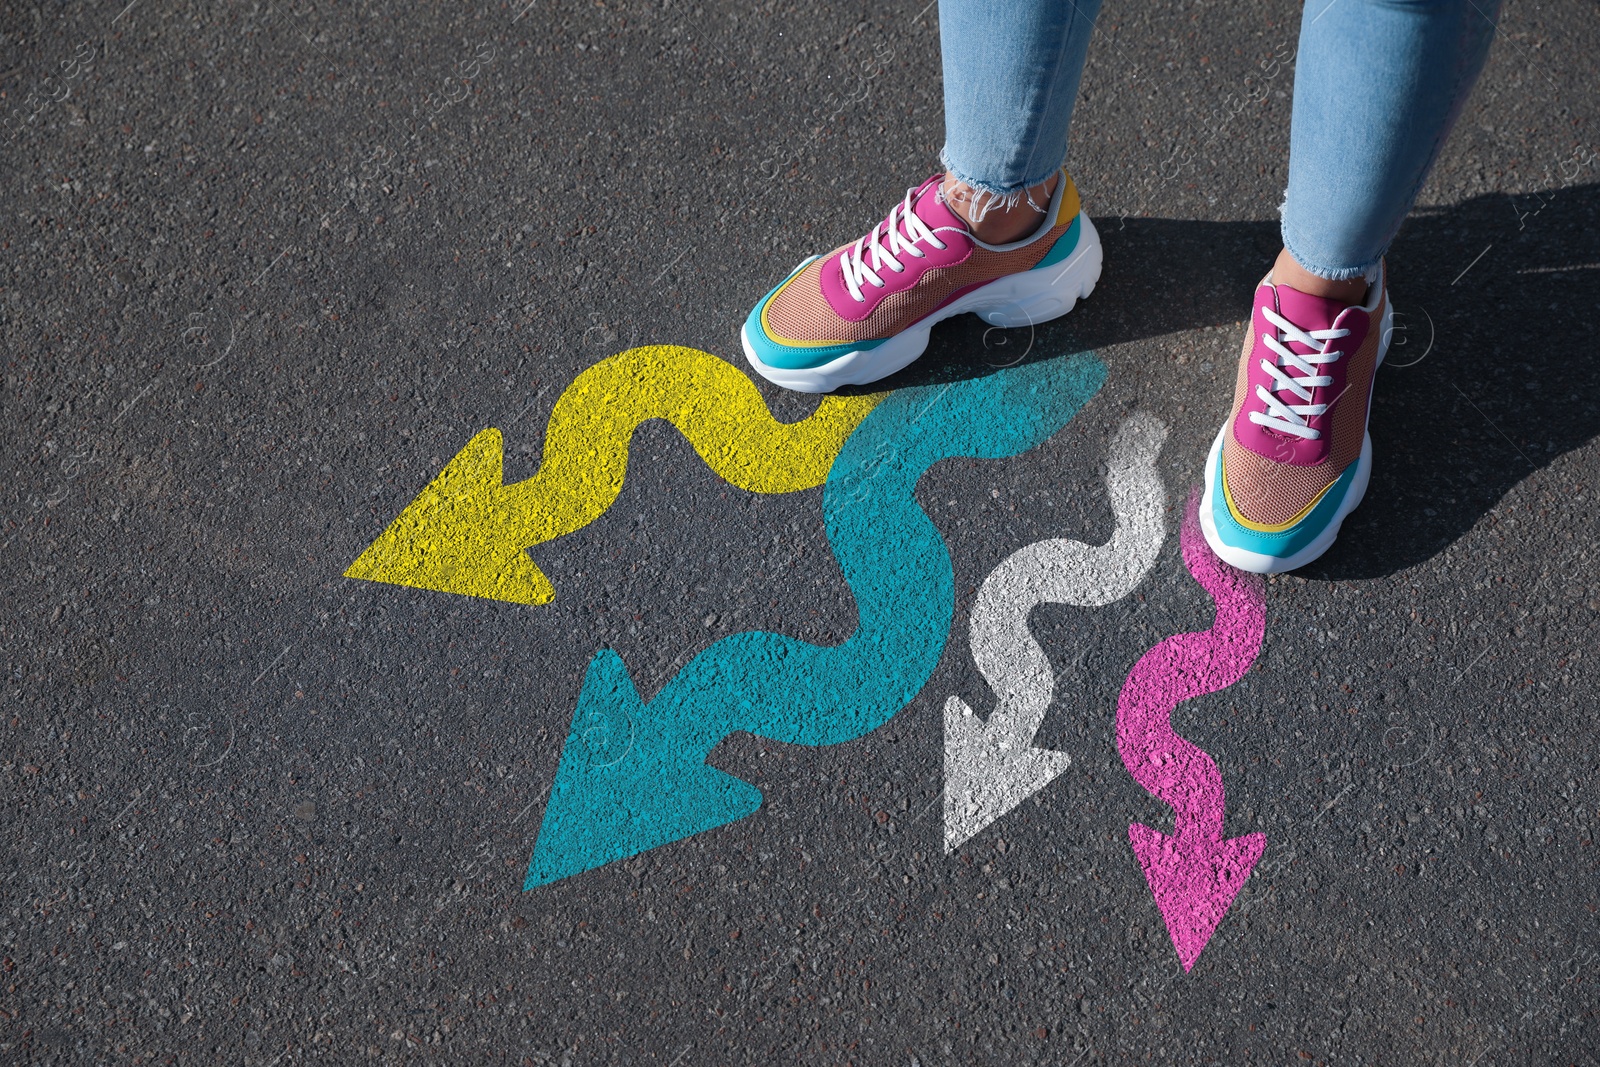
(1000, 234)
(1011, 75)
(1377, 86)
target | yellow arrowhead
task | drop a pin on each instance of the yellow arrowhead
(452, 537)
(468, 532)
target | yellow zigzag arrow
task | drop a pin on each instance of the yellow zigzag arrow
(468, 532)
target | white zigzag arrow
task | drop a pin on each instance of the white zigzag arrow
(991, 766)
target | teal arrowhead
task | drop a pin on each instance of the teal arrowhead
(624, 785)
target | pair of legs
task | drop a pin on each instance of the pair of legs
(1377, 85)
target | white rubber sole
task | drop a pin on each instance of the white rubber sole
(1024, 299)
(1259, 563)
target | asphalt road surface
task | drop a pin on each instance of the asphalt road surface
(269, 267)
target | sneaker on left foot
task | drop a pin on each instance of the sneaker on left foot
(1294, 457)
(865, 310)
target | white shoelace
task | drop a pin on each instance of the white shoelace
(1293, 418)
(856, 270)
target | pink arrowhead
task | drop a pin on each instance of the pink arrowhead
(1194, 880)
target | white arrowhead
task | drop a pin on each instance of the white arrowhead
(991, 766)
(987, 772)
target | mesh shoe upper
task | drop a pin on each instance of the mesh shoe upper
(814, 308)
(1271, 478)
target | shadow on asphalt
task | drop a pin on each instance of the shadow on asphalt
(1494, 371)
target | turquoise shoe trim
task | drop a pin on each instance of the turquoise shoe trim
(1278, 545)
(1065, 245)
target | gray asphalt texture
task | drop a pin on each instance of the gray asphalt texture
(267, 266)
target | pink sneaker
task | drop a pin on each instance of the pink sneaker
(1294, 457)
(863, 311)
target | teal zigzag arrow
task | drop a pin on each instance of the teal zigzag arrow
(633, 774)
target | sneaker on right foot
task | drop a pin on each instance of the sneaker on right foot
(1294, 456)
(864, 310)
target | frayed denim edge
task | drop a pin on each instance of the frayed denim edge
(1368, 270)
(992, 195)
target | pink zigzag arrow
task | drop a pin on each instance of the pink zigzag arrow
(1195, 873)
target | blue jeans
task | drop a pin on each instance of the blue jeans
(1377, 86)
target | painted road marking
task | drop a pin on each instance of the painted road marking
(468, 532)
(991, 765)
(1195, 873)
(633, 774)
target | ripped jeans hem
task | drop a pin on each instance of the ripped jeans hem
(1367, 270)
(989, 196)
